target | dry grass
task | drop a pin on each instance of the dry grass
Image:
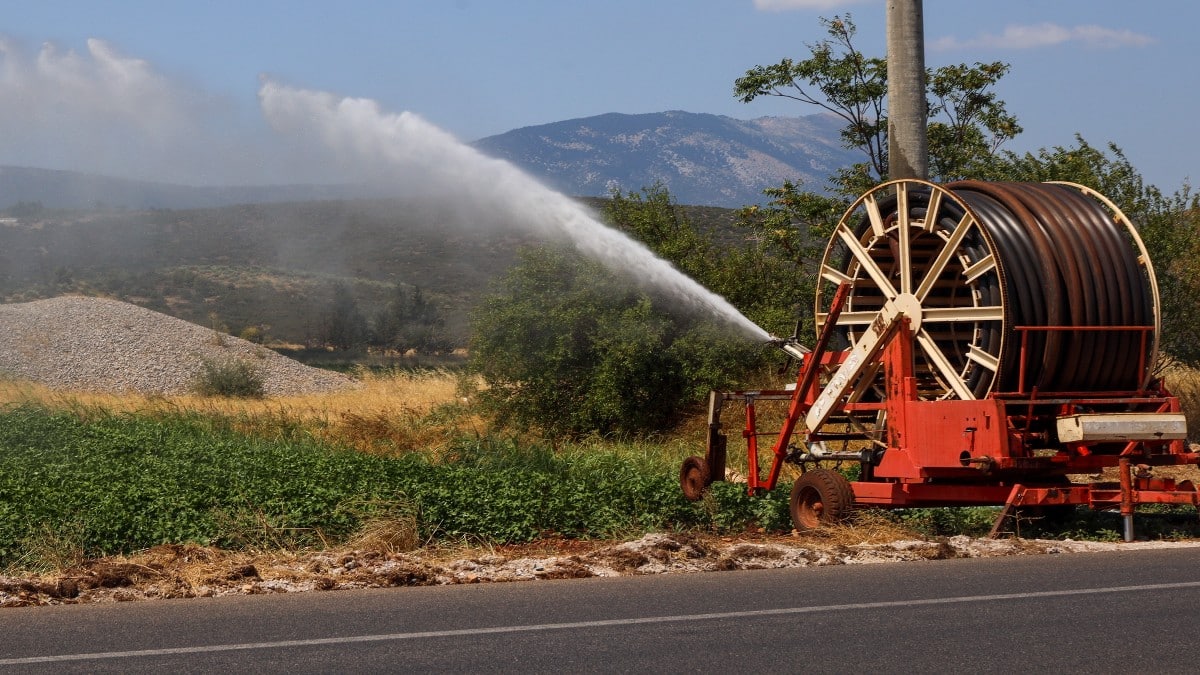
(866, 527)
(396, 533)
(1185, 384)
(393, 413)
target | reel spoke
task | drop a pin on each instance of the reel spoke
(946, 370)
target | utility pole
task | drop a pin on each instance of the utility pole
(908, 146)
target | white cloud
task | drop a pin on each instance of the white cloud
(1047, 35)
(789, 5)
(100, 111)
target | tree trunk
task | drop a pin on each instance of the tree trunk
(908, 148)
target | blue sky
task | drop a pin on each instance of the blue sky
(168, 89)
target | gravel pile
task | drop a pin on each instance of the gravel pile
(95, 344)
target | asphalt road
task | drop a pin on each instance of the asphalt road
(1109, 612)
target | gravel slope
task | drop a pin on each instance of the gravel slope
(96, 344)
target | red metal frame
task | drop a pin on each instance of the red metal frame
(1026, 330)
(994, 451)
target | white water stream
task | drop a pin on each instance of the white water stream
(405, 148)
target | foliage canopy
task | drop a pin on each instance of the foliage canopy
(570, 348)
(967, 122)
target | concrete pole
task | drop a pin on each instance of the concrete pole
(908, 146)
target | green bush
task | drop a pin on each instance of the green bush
(571, 349)
(232, 378)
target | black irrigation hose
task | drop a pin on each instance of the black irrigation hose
(1062, 260)
(1066, 262)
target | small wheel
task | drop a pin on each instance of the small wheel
(694, 478)
(821, 497)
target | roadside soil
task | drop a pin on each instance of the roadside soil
(187, 571)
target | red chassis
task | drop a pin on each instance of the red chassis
(1014, 449)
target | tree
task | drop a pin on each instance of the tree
(343, 326)
(974, 124)
(967, 123)
(850, 85)
(776, 276)
(654, 218)
(409, 321)
(568, 347)
(766, 274)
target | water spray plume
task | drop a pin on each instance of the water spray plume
(416, 155)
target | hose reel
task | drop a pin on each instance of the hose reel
(988, 272)
(977, 344)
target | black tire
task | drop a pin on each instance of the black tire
(694, 478)
(820, 497)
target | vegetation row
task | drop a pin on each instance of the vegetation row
(88, 482)
(112, 483)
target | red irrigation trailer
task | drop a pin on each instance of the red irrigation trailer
(977, 344)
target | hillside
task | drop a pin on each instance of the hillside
(702, 159)
(273, 259)
(76, 190)
(274, 267)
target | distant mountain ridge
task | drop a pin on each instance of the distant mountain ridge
(702, 159)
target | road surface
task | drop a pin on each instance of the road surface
(1103, 612)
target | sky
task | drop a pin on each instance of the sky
(170, 90)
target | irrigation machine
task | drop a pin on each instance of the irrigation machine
(976, 344)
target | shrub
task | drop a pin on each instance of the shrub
(230, 378)
(568, 348)
(253, 334)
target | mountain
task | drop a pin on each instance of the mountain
(707, 160)
(275, 267)
(704, 160)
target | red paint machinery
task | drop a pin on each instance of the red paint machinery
(977, 344)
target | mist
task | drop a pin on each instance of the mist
(100, 111)
(404, 150)
(104, 112)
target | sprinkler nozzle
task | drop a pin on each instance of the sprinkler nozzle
(790, 345)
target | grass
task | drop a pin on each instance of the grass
(1185, 384)
(402, 462)
(81, 479)
(393, 413)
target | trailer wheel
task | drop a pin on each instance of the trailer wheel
(694, 478)
(820, 497)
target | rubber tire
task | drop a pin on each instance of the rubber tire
(694, 478)
(820, 497)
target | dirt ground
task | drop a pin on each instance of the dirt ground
(193, 571)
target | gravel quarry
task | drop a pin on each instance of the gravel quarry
(102, 345)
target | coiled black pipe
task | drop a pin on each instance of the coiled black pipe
(1062, 260)
(1066, 263)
